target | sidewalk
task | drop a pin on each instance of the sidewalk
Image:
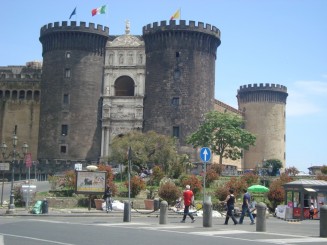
(83, 212)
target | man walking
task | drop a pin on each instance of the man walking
(188, 200)
(246, 207)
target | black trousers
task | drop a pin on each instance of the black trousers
(230, 213)
(187, 212)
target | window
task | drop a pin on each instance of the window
(178, 54)
(67, 73)
(66, 99)
(68, 55)
(175, 101)
(64, 130)
(176, 131)
(63, 149)
(177, 74)
(124, 86)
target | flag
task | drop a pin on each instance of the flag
(73, 13)
(100, 10)
(176, 15)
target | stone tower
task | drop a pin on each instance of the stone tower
(180, 76)
(264, 112)
(72, 82)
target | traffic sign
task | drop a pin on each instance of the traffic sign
(205, 154)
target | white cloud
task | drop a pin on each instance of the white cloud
(306, 98)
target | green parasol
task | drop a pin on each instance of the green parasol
(258, 188)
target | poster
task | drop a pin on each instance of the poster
(90, 182)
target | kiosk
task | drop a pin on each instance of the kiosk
(301, 193)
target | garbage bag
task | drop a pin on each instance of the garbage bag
(37, 208)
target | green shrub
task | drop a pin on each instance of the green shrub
(137, 185)
(194, 182)
(169, 192)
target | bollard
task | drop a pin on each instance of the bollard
(261, 217)
(127, 211)
(163, 213)
(323, 221)
(207, 214)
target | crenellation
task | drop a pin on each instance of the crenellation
(261, 86)
(57, 26)
(182, 25)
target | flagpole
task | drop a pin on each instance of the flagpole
(180, 13)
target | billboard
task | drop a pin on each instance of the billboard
(90, 182)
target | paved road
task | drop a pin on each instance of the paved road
(146, 230)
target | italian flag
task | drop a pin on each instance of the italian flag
(100, 10)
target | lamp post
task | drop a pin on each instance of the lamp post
(14, 154)
(264, 171)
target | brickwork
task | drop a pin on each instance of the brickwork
(264, 112)
(180, 65)
(73, 63)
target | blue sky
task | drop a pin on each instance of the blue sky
(262, 41)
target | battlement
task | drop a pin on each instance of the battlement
(261, 86)
(181, 26)
(82, 27)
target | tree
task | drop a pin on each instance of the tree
(276, 194)
(292, 171)
(148, 147)
(275, 164)
(323, 169)
(223, 134)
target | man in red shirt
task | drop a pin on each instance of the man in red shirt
(188, 197)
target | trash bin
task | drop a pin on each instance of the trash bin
(45, 207)
(156, 204)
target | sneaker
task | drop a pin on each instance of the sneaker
(182, 221)
(193, 220)
(252, 223)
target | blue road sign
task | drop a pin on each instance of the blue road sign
(205, 154)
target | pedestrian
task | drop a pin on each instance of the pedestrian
(246, 207)
(230, 201)
(188, 197)
(311, 211)
(107, 198)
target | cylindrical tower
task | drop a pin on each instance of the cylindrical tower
(180, 76)
(70, 113)
(264, 113)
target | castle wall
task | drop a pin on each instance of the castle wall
(20, 105)
(72, 82)
(224, 108)
(179, 83)
(264, 113)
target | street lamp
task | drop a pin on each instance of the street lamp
(264, 171)
(14, 154)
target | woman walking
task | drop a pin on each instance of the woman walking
(230, 200)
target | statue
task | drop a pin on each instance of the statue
(128, 27)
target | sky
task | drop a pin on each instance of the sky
(262, 41)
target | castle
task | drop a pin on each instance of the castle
(93, 86)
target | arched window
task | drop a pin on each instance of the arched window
(29, 95)
(124, 86)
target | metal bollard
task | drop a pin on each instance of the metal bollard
(127, 211)
(261, 217)
(207, 214)
(323, 221)
(163, 213)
